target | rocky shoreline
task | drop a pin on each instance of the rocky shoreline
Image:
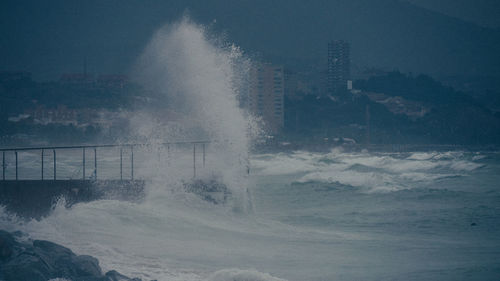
(41, 260)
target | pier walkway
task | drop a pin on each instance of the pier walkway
(32, 194)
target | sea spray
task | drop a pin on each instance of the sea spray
(201, 80)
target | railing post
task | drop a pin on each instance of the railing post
(194, 160)
(203, 155)
(54, 152)
(121, 163)
(3, 165)
(132, 162)
(122, 147)
(168, 154)
(15, 152)
(83, 163)
(42, 163)
(95, 163)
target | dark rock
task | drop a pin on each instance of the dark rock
(63, 262)
(27, 266)
(44, 260)
(87, 266)
(7, 243)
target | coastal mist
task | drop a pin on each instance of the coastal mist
(343, 212)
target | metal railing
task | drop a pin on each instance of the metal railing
(129, 146)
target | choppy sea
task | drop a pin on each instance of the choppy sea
(313, 216)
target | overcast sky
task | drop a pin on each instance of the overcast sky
(52, 37)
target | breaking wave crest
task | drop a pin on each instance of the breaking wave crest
(368, 171)
(199, 79)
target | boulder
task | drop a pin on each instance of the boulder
(44, 260)
(64, 262)
(7, 244)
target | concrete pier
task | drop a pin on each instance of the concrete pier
(36, 198)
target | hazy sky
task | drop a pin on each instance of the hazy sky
(482, 12)
(53, 37)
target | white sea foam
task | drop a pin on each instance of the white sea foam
(462, 165)
(422, 155)
(283, 164)
(242, 275)
(371, 172)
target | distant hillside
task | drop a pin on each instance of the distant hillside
(403, 109)
(450, 116)
(421, 88)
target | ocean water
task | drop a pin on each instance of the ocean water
(313, 216)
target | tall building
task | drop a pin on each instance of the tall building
(291, 85)
(266, 95)
(339, 67)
